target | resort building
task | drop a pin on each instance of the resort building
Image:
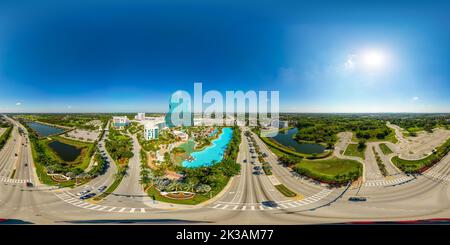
(140, 116)
(151, 131)
(120, 122)
(181, 135)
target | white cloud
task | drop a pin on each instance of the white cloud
(415, 98)
(350, 63)
(18, 104)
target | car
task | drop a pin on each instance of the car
(245, 160)
(256, 168)
(257, 172)
(15, 154)
(87, 196)
(264, 154)
(26, 164)
(28, 184)
(357, 199)
(252, 162)
(270, 204)
(102, 188)
(81, 193)
(253, 156)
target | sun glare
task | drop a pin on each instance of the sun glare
(374, 59)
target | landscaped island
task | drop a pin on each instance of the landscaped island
(331, 171)
(420, 165)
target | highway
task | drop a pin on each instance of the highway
(244, 201)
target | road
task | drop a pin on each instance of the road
(426, 196)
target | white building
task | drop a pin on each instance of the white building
(120, 122)
(140, 116)
(151, 131)
(182, 135)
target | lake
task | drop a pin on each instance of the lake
(66, 152)
(212, 153)
(44, 130)
(286, 139)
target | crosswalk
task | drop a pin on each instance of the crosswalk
(14, 181)
(277, 205)
(391, 182)
(437, 175)
(75, 201)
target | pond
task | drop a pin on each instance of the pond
(44, 130)
(212, 153)
(66, 152)
(286, 139)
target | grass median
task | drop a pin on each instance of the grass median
(385, 149)
(355, 151)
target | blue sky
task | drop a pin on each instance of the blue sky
(128, 56)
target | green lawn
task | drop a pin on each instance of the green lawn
(332, 170)
(385, 149)
(353, 150)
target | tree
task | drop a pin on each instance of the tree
(362, 144)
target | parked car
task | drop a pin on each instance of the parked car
(257, 168)
(102, 188)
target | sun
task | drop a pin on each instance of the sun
(374, 59)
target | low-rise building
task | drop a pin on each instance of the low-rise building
(120, 122)
(181, 135)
